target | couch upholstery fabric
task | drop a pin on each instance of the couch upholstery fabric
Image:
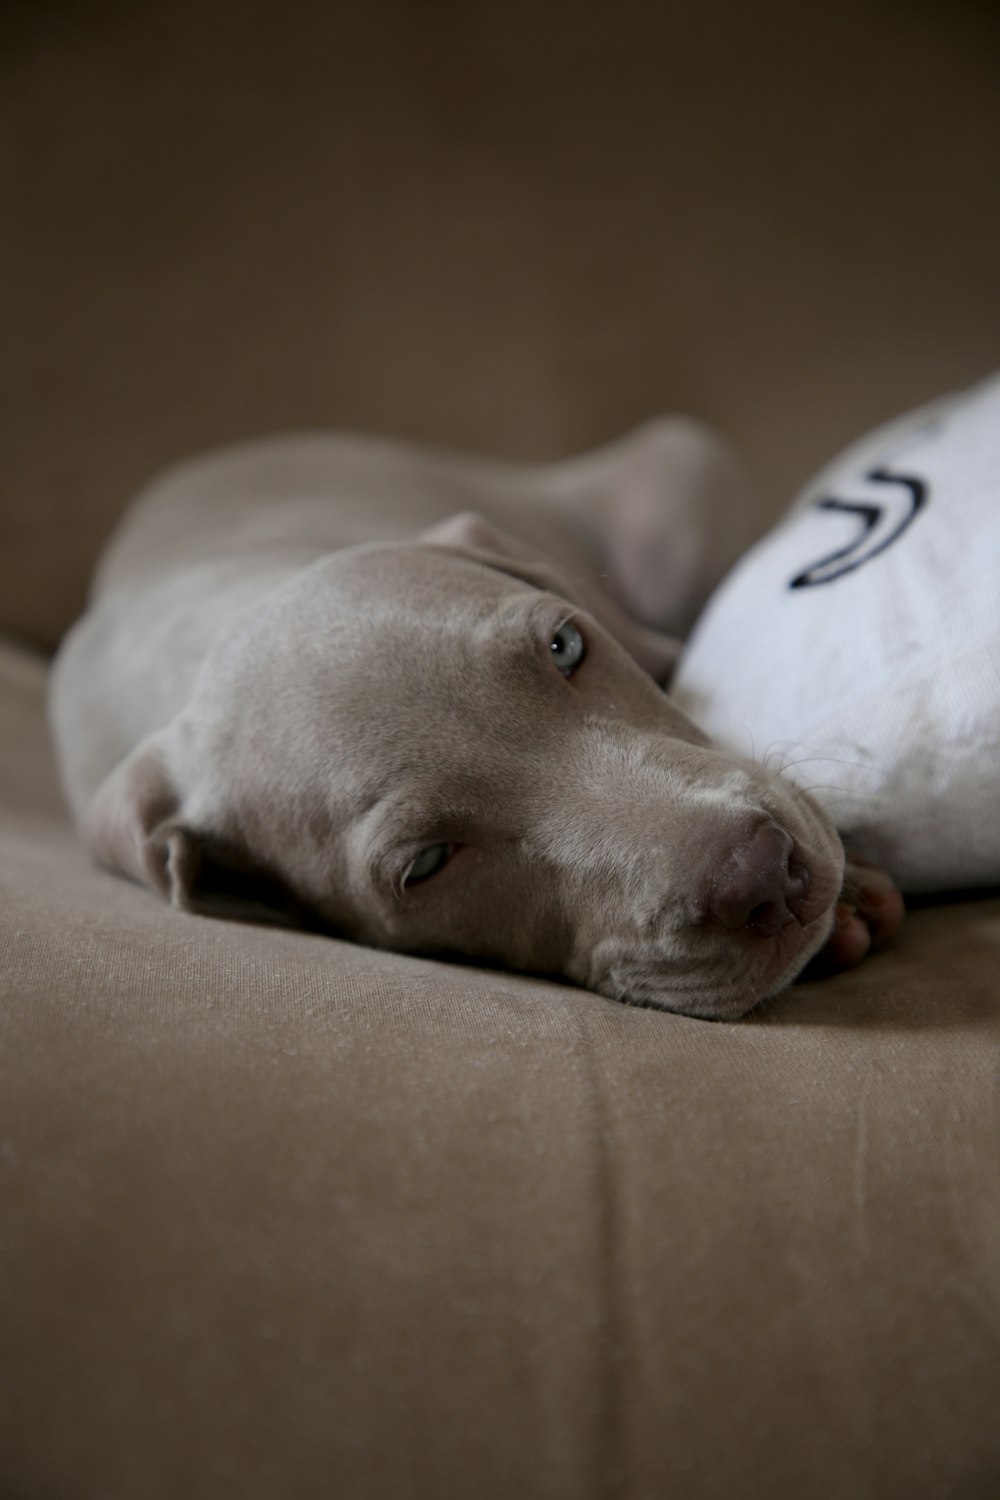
(285, 1216)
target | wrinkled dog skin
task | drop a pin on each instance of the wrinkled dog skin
(415, 699)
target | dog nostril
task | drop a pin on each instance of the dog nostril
(767, 918)
(759, 884)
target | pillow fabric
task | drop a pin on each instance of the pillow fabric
(856, 649)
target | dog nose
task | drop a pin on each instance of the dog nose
(760, 885)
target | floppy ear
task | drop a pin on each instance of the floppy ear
(472, 534)
(134, 825)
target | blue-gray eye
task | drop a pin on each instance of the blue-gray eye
(568, 649)
(427, 863)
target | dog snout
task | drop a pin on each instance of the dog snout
(760, 885)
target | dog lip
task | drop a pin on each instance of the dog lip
(799, 886)
(774, 960)
(789, 958)
(817, 878)
(754, 969)
(819, 903)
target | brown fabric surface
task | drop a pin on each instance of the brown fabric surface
(281, 1216)
(514, 227)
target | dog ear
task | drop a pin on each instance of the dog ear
(472, 534)
(126, 821)
(134, 825)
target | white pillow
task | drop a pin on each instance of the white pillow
(857, 647)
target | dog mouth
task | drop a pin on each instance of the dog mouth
(777, 959)
(772, 963)
(751, 970)
(739, 951)
(784, 934)
(717, 976)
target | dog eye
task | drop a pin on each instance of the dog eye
(427, 863)
(568, 649)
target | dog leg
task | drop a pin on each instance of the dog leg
(668, 510)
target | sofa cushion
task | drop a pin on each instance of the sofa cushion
(286, 1216)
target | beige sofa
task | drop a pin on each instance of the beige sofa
(283, 1217)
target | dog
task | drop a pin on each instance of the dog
(417, 700)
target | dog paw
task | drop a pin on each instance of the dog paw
(869, 911)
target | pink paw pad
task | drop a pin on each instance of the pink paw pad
(869, 912)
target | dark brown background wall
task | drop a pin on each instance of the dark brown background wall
(516, 227)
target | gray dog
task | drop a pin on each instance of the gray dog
(417, 700)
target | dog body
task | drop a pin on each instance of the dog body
(416, 699)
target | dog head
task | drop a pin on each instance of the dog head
(435, 747)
